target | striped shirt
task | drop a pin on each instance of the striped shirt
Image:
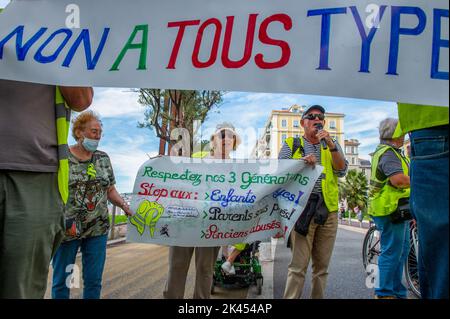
(309, 148)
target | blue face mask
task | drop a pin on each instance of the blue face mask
(90, 145)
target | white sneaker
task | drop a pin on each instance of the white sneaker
(228, 268)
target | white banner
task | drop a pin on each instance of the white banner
(192, 202)
(384, 50)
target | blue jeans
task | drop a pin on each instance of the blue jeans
(429, 204)
(93, 252)
(394, 240)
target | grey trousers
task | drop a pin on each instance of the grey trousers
(31, 229)
(318, 245)
(179, 261)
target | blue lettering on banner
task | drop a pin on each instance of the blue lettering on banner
(438, 43)
(325, 34)
(366, 39)
(230, 197)
(287, 195)
(59, 39)
(21, 49)
(84, 37)
(396, 31)
(39, 57)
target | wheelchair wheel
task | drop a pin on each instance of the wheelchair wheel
(371, 247)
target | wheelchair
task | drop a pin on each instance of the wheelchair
(248, 271)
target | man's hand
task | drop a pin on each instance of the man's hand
(400, 180)
(77, 98)
(322, 134)
(310, 160)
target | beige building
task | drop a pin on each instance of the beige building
(351, 153)
(286, 123)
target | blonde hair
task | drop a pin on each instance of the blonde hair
(79, 123)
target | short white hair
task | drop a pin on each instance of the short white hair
(387, 128)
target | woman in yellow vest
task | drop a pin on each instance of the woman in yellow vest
(389, 186)
(223, 142)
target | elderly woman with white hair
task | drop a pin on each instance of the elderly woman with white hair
(91, 185)
(388, 205)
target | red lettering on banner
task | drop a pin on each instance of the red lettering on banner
(176, 47)
(264, 38)
(150, 190)
(146, 187)
(248, 43)
(215, 47)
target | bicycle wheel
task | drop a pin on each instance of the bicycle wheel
(411, 269)
(371, 247)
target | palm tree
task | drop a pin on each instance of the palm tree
(355, 190)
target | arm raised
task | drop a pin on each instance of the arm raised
(78, 98)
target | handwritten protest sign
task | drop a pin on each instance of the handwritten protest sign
(372, 49)
(193, 202)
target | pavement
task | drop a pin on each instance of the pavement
(139, 271)
(346, 279)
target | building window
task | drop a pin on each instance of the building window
(283, 123)
(333, 125)
(347, 149)
(283, 137)
(296, 123)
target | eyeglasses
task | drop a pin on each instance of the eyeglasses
(317, 116)
(225, 134)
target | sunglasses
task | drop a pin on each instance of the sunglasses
(225, 134)
(318, 116)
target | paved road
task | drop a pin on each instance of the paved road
(346, 278)
(139, 271)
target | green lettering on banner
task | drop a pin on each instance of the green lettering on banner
(131, 46)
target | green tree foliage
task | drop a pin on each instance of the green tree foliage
(188, 105)
(354, 189)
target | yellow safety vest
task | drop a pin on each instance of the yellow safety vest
(330, 188)
(201, 154)
(62, 131)
(414, 117)
(383, 198)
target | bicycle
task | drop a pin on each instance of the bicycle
(371, 251)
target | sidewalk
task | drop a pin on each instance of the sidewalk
(354, 225)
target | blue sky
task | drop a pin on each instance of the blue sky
(129, 146)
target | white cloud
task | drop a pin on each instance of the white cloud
(127, 155)
(4, 3)
(248, 112)
(117, 103)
